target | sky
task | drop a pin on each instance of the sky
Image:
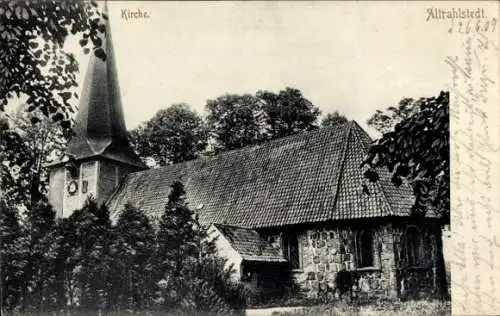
(353, 57)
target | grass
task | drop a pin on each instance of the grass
(391, 308)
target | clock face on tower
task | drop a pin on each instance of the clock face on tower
(72, 187)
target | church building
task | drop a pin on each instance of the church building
(295, 210)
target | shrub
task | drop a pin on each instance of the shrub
(211, 270)
(193, 278)
(344, 282)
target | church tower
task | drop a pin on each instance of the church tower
(99, 154)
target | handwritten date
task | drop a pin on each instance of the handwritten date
(473, 26)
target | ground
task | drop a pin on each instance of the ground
(391, 308)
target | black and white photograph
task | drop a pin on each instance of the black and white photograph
(257, 158)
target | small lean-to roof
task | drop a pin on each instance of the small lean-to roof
(305, 178)
(250, 245)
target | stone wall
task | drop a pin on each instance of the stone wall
(328, 249)
(325, 251)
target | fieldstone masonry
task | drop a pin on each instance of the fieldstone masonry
(325, 251)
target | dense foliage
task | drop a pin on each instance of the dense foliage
(384, 122)
(25, 149)
(332, 119)
(233, 121)
(192, 279)
(35, 69)
(33, 62)
(11, 258)
(84, 264)
(173, 135)
(135, 256)
(287, 112)
(236, 121)
(417, 150)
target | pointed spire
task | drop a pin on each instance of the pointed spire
(100, 125)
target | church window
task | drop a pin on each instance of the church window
(364, 249)
(413, 246)
(85, 186)
(88, 174)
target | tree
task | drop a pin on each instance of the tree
(34, 63)
(43, 291)
(234, 122)
(213, 270)
(25, 149)
(87, 257)
(417, 151)
(29, 251)
(13, 152)
(12, 258)
(332, 119)
(173, 135)
(287, 112)
(384, 122)
(133, 261)
(192, 277)
(177, 242)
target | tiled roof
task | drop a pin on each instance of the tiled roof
(250, 245)
(100, 125)
(305, 178)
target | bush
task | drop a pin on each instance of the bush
(212, 271)
(192, 277)
(254, 296)
(124, 269)
(344, 282)
(204, 288)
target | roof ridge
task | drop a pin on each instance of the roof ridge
(377, 183)
(250, 147)
(232, 226)
(341, 170)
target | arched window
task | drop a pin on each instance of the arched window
(364, 249)
(413, 246)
